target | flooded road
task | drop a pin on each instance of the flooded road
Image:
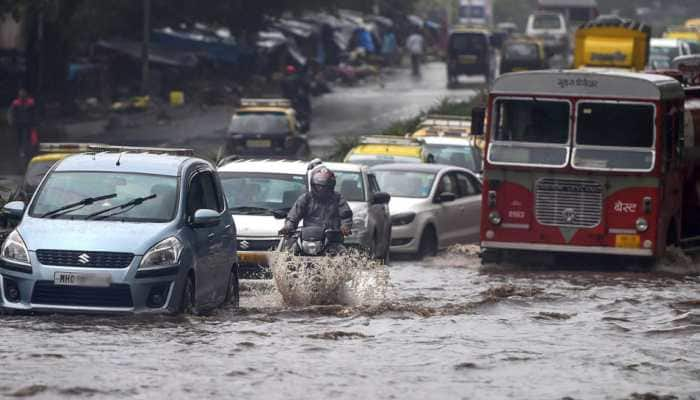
(447, 328)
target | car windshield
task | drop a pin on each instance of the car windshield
(459, 156)
(530, 131)
(350, 185)
(521, 51)
(35, 173)
(669, 52)
(409, 184)
(614, 136)
(468, 43)
(372, 160)
(64, 188)
(261, 193)
(547, 21)
(259, 123)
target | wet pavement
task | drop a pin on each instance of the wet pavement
(446, 328)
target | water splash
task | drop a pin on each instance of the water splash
(675, 261)
(348, 279)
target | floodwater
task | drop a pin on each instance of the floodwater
(446, 328)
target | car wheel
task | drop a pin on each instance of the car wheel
(428, 244)
(187, 303)
(233, 296)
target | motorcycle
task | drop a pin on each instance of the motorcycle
(313, 241)
(308, 267)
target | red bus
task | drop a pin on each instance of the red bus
(595, 162)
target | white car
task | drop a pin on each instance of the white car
(551, 28)
(663, 51)
(371, 225)
(432, 206)
(256, 190)
(455, 151)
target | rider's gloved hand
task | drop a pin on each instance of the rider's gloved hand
(283, 232)
(345, 230)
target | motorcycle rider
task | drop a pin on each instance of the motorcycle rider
(322, 207)
(296, 88)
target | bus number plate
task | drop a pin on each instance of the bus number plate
(627, 241)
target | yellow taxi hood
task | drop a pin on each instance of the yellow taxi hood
(50, 157)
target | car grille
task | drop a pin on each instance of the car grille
(86, 259)
(568, 202)
(117, 295)
(257, 245)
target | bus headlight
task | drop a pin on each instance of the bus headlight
(495, 218)
(642, 225)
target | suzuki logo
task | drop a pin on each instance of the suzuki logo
(245, 245)
(569, 215)
(84, 258)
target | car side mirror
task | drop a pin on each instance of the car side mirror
(381, 198)
(445, 197)
(478, 116)
(205, 218)
(14, 210)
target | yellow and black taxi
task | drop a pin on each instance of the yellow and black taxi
(266, 128)
(522, 54)
(447, 126)
(383, 149)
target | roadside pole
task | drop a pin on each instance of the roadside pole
(145, 72)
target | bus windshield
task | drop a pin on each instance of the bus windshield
(530, 132)
(614, 136)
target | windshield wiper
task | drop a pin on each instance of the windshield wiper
(250, 210)
(82, 203)
(122, 207)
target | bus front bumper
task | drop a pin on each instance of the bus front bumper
(557, 248)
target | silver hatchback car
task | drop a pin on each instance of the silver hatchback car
(120, 231)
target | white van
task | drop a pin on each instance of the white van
(551, 28)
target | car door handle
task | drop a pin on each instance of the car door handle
(211, 236)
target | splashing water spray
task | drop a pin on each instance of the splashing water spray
(351, 278)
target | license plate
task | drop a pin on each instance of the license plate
(519, 69)
(253, 258)
(259, 143)
(627, 241)
(467, 59)
(81, 279)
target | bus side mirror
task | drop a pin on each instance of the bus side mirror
(478, 116)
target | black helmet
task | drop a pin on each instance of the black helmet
(322, 181)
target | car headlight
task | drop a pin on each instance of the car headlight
(402, 219)
(359, 221)
(642, 225)
(14, 249)
(311, 248)
(164, 254)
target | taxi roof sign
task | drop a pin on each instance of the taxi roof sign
(447, 121)
(282, 103)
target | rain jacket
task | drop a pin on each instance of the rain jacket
(22, 112)
(330, 213)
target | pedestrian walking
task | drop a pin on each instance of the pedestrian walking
(415, 44)
(22, 118)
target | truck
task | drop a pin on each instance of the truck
(476, 13)
(603, 162)
(612, 42)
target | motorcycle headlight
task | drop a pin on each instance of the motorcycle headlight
(311, 248)
(14, 249)
(164, 254)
